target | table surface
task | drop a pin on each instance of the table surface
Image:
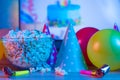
(52, 76)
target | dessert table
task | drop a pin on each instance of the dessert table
(51, 75)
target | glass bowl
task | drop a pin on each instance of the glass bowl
(28, 52)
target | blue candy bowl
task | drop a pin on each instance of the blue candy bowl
(28, 52)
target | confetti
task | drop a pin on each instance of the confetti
(60, 72)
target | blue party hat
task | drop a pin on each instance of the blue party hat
(116, 27)
(70, 57)
(52, 59)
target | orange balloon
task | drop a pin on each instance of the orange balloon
(2, 50)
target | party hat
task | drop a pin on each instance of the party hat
(70, 57)
(46, 29)
(52, 59)
(116, 27)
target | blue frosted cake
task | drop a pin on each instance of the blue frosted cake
(58, 15)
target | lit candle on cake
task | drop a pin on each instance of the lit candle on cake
(63, 3)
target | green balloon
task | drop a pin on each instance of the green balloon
(104, 48)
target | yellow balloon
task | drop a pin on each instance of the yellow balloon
(104, 48)
(2, 51)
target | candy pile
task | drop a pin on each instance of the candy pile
(28, 48)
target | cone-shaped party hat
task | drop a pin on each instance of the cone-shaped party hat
(70, 57)
(52, 59)
(116, 27)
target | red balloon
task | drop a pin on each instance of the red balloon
(83, 36)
